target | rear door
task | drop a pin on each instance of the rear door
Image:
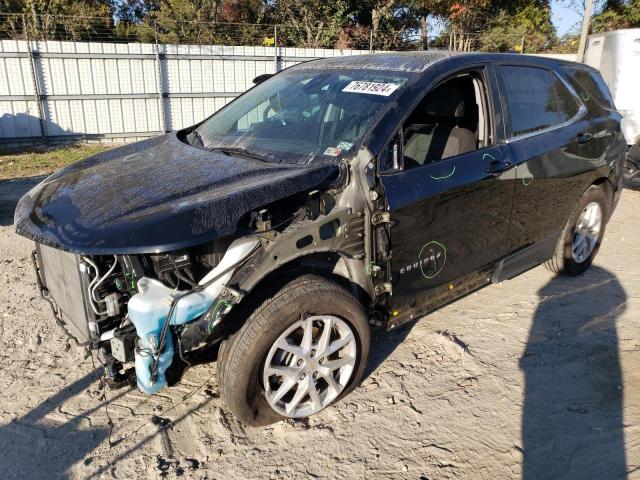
(449, 220)
(555, 149)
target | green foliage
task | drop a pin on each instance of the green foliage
(66, 19)
(617, 15)
(311, 23)
(205, 22)
(43, 161)
(533, 22)
(488, 25)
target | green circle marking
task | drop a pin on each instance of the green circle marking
(444, 249)
(445, 176)
(585, 96)
(527, 179)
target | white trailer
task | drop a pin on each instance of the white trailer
(617, 55)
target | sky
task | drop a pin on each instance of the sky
(563, 17)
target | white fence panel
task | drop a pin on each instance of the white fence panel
(125, 91)
(19, 115)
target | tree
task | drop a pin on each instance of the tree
(311, 23)
(616, 15)
(129, 14)
(425, 9)
(533, 23)
(66, 19)
(205, 21)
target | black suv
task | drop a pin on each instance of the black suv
(338, 194)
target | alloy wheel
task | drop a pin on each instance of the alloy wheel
(587, 232)
(309, 365)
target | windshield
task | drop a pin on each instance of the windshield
(301, 116)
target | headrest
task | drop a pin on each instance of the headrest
(446, 101)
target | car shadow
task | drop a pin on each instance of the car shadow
(384, 343)
(37, 444)
(572, 419)
(10, 192)
(572, 416)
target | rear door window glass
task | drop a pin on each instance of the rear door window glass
(536, 99)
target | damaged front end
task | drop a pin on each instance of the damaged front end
(142, 309)
(145, 311)
(143, 250)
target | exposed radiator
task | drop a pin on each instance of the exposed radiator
(61, 277)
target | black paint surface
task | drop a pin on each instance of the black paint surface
(156, 195)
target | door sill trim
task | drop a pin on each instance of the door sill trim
(525, 259)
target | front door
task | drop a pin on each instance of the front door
(449, 219)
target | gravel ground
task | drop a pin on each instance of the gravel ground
(536, 378)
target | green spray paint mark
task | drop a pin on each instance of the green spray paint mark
(370, 268)
(527, 179)
(585, 96)
(444, 249)
(446, 176)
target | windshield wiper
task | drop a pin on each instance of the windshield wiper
(231, 151)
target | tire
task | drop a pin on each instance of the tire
(242, 357)
(564, 261)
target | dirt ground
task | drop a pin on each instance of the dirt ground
(538, 377)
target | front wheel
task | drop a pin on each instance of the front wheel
(299, 352)
(581, 238)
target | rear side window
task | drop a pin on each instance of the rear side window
(536, 99)
(590, 86)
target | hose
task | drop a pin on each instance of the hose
(199, 288)
(96, 282)
(109, 272)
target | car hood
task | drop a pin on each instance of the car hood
(156, 195)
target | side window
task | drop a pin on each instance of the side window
(590, 86)
(451, 120)
(536, 99)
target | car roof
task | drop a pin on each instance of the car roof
(420, 61)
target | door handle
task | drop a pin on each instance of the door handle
(497, 167)
(583, 138)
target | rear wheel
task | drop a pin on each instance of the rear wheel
(581, 238)
(299, 352)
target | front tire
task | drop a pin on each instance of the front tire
(580, 240)
(299, 351)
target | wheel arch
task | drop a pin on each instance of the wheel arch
(605, 184)
(257, 288)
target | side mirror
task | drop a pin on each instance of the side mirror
(261, 78)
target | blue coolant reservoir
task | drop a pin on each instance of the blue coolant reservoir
(148, 310)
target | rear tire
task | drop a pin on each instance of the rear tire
(255, 350)
(574, 255)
